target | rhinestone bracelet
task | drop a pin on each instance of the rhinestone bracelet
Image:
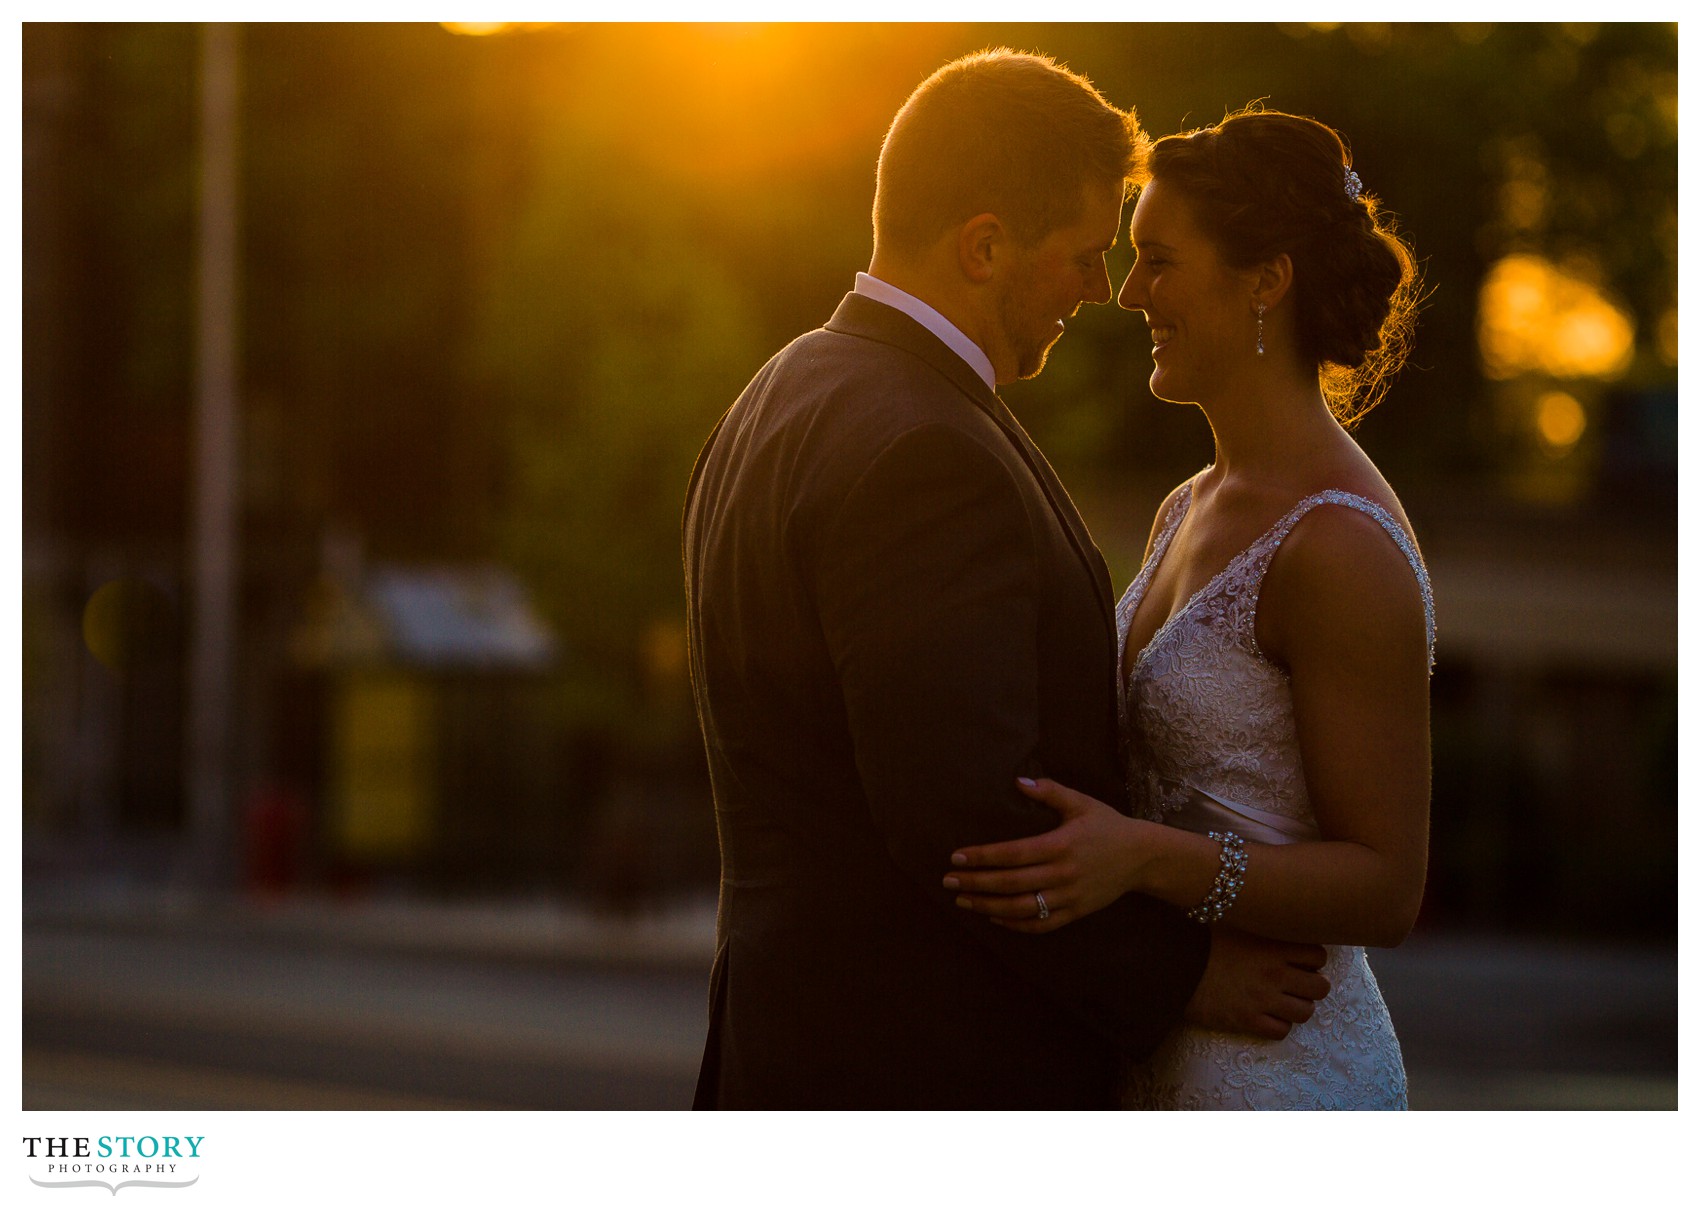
(1230, 878)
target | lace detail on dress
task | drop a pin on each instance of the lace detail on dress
(1346, 1058)
(1203, 709)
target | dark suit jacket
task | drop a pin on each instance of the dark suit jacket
(895, 610)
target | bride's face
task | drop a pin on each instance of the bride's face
(1200, 310)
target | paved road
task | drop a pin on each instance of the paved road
(1503, 1024)
(161, 1021)
(137, 1018)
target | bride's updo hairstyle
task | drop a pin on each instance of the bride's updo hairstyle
(1262, 183)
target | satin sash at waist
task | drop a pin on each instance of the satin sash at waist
(1201, 812)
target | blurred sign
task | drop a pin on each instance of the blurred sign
(383, 788)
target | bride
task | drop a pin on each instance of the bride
(1277, 642)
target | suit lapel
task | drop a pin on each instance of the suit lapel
(860, 316)
(1062, 504)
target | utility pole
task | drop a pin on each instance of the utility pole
(213, 551)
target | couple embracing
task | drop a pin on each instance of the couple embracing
(988, 839)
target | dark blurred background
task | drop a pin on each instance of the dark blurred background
(364, 367)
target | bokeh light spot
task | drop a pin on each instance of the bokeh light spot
(126, 622)
(1536, 319)
(1670, 337)
(1560, 421)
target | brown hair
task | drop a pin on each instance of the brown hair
(1262, 183)
(1015, 135)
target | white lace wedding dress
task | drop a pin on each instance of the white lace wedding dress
(1204, 711)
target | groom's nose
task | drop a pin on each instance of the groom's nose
(1099, 290)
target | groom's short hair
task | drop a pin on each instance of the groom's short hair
(1015, 135)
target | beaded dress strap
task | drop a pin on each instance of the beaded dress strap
(1178, 509)
(1172, 518)
(1337, 496)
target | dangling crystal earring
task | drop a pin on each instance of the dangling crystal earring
(1260, 330)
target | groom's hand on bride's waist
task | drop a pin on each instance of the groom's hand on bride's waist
(1257, 986)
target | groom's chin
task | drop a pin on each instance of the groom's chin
(1030, 364)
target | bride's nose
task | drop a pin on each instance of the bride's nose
(1132, 296)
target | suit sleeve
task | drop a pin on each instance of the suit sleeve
(928, 590)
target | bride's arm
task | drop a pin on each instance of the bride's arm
(1341, 611)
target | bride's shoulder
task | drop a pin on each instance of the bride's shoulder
(1347, 568)
(1355, 482)
(1337, 529)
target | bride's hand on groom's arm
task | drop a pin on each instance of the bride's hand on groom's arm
(1092, 857)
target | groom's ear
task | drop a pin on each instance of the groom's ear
(1274, 280)
(980, 246)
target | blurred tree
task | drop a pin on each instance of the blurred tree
(357, 240)
(616, 343)
(126, 189)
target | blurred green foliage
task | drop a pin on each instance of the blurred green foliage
(613, 355)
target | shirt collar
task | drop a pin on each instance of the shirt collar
(929, 318)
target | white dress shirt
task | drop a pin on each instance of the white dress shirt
(930, 319)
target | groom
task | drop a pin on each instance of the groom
(895, 611)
